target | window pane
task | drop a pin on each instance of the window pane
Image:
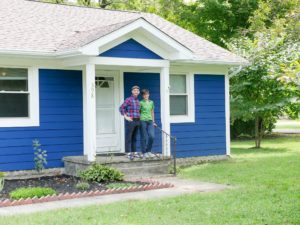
(178, 105)
(13, 79)
(13, 85)
(178, 84)
(14, 105)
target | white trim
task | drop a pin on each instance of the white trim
(115, 61)
(140, 25)
(165, 109)
(89, 111)
(190, 117)
(122, 121)
(34, 106)
(227, 110)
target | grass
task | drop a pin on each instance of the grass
(121, 185)
(286, 126)
(266, 191)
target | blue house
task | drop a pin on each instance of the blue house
(64, 71)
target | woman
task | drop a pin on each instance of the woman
(147, 124)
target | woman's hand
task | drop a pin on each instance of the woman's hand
(128, 118)
(154, 124)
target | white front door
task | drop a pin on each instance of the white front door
(108, 118)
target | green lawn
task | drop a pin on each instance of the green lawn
(266, 191)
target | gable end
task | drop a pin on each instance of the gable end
(131, 49)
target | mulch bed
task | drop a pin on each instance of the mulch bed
(65, 187)
(61, 183)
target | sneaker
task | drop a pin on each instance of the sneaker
(137, 155)
(150, 154)
(130, 156)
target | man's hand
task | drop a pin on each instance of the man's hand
(128, 118)
(154, 124)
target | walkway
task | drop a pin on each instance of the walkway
(180, 187)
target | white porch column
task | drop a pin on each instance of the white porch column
(89, 111)
(165, 108)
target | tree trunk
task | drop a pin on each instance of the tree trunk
(259, 131)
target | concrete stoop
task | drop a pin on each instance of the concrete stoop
(132, 169)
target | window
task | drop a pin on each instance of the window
(14, 92)
(18, 97)
(182, 98)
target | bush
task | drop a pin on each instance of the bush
(240, 128)
(83, 186)
(1, 180)
(101, 173)
(31, 192)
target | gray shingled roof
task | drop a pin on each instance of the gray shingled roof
(43, 27)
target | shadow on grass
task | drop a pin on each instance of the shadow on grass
(241, 151)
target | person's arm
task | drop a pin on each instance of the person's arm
(123, 110)
(153, 117)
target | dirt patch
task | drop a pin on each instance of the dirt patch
(60, 183)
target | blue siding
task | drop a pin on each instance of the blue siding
(207, 136)
(131, 49)
(149, 81)
(61, 124)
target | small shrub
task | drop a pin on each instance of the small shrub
(101, 173)
(40, 156)
(83, 186)
(1, 180)
(31, 192)
(121, 185)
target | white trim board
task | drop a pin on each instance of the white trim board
(140, 26)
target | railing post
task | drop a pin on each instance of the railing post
(174, 156)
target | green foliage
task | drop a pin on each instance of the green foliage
(83, 186)
(269, 86)
(40, 156)
(240, 128)
(101, 173)
(121, 185)
(1, 180)
(31, 192)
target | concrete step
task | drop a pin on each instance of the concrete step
(132, 169)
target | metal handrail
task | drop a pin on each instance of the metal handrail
(174, 139)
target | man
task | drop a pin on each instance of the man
(130, 109)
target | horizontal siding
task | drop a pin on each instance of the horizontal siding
(61, 124)
(149, 81)
(131, 49)
(207, 136)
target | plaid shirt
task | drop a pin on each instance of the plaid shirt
(131, 107)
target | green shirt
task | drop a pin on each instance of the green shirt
(146, 108)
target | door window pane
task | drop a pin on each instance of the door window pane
(14, 105)
(178, 84)
(178, 105)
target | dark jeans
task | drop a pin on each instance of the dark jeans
(147, 136)
(131, 135)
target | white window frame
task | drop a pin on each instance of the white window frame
(34, 106)
(190, 117)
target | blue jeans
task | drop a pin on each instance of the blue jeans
(131, 135)
(147, 135)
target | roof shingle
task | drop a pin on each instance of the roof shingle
(43, 27)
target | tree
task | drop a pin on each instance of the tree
(269, 86)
